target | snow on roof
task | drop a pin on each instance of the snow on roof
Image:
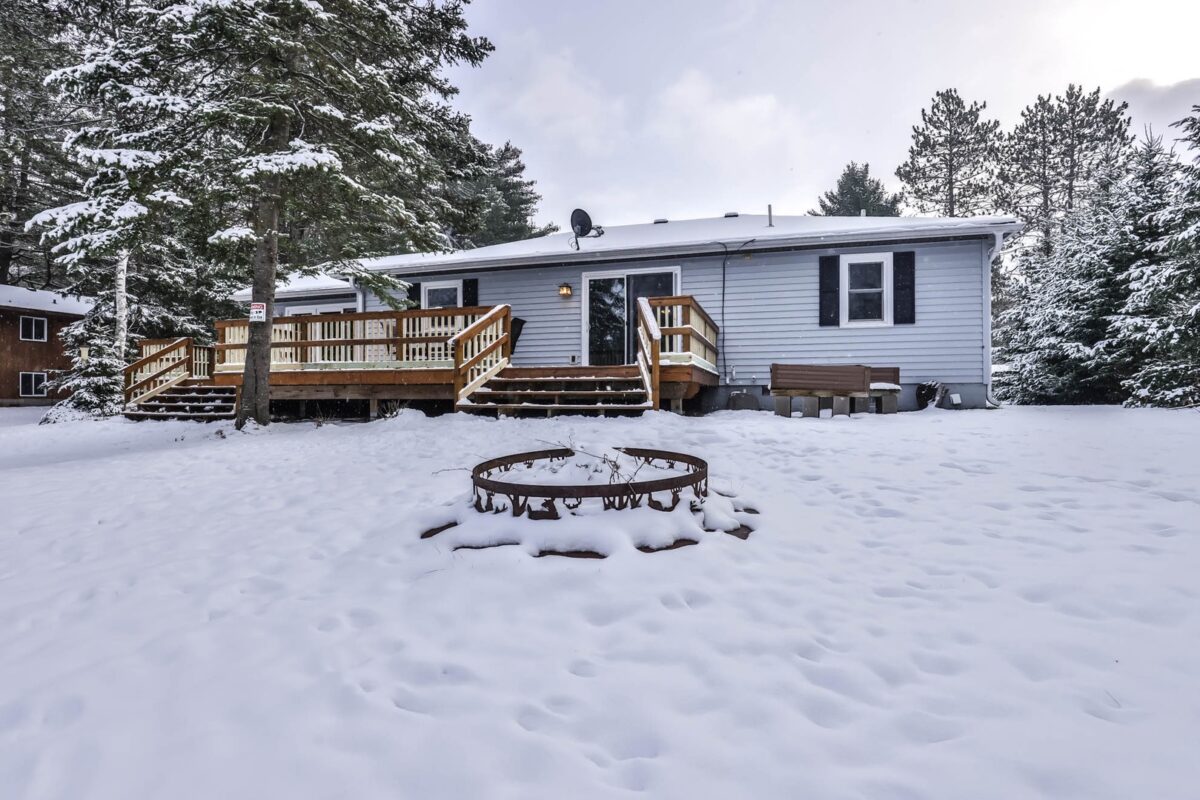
(42, 300)
(697, 234)
(298, 285)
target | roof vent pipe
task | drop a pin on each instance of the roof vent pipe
(770, 217)
(660, 221)
(730, 214)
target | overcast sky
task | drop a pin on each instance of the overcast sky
(636, 109)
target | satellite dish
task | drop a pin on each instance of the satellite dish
(581, 222)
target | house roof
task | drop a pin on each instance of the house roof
(42, 300)
(696, 236)
(303, 286)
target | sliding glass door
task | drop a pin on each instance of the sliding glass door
(611, 306)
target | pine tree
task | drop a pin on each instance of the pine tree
(951, 163)
(1053, 154)
(1161, 322)
(34, 172)
(500, 204)
(278, 133)
(1064, 339)
(857, 192)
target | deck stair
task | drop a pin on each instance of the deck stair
(546, 391)
(190, 400)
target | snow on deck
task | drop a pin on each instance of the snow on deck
(935, 605)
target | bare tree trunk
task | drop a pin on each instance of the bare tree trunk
(256, 378)
(120, 305)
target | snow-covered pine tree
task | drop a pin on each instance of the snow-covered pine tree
(34, 171)
(951, 162)
(312, 133)
(857, 192)
(1054, 152)
(1069, 339)
(129, 231)
(499, 205)
(1162, 316)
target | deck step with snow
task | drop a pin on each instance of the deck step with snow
(197, 402)
(545, 391)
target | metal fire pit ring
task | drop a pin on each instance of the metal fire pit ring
(615, 496)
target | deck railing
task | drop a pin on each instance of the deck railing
(481, 351)
(689, 335)
(649, 342)
(165, 363)
(367, 340)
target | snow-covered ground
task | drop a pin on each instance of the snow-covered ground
(944, 605)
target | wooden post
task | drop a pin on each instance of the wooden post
(458, 377)
(302, 337)
(507, 350)
(841, 406)
(810, 407)
(654, 370)
(783, 405)
(373, 406)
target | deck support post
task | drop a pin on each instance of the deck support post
(860, 405)
(841, 406)
(677, 405)
(810, 407)
(783, 405)
(888, 403)
(373, 405)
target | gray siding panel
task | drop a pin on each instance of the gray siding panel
(770, 313)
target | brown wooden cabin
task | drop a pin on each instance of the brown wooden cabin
(30, 348)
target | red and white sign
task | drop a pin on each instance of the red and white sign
(258, 312)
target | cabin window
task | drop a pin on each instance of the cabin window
(441, 294)
(33, 384)
(866, 289)
(33, 329)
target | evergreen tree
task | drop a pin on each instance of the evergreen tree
(502, 202)
(269, 132)
(857, 192)
(1161, 322)
(951, 163)
(1053, 154)
(1063, 338)
(34, 172)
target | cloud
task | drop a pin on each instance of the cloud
(569, 107)
(1158, 105)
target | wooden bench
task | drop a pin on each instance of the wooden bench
(847, 386)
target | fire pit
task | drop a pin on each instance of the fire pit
(540, 475)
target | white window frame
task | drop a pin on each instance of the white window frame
(844, 290)
(21, 385)
(427, 285)
(585, 279)
(45, 329)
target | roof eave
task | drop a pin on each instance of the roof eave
(703, 248)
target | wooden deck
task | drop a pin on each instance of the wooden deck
(433, 354)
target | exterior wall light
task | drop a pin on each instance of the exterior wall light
(564, 290)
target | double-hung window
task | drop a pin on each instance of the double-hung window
(866, 289)
(33, 329)
(33, 384)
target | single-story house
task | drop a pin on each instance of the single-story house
(907, 292)
(30, 348)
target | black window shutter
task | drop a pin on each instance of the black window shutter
(904, 288)
(470, 292)
(830, 314)
(414, 294)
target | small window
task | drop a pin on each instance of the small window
(33, 384)
(866, 283)
(443, 294)
(33, 329)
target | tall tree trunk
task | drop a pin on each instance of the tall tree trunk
(256, 377)
(120, 305)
